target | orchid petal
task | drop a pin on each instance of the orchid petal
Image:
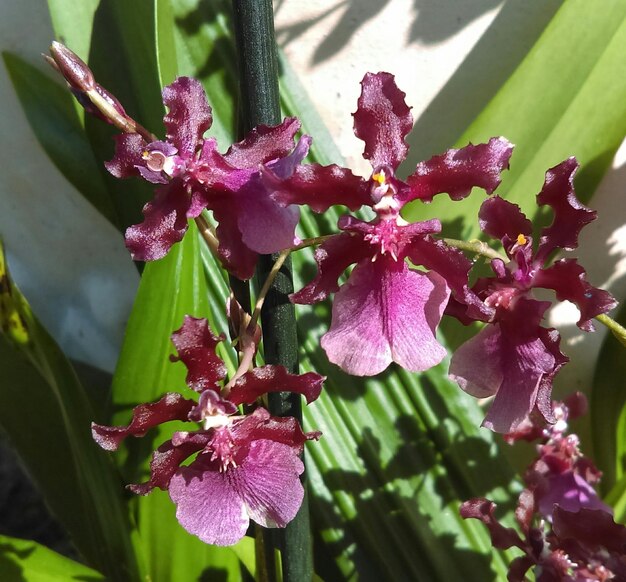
(260, 381)
(207, 504)
(458, 171)
(568, 279)
(196, 344)
(333, 257)
(382, 120)
(172, 406)
(129, 148)
(319, 187)
(165, 223)
(189, 115)
(500, 218)
(384, 314)
(269, 483)
(263, 144)
(570, 216)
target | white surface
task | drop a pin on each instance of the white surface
(449, 56)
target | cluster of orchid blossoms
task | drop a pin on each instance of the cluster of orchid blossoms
(387, 310)
(568, 534)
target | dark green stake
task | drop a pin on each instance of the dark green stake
(260, 104)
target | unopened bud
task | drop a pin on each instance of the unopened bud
(72, 67)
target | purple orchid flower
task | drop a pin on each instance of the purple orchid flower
(386, 311)
(193, 176)
(567, 532)
(245, 466)
(515, 358)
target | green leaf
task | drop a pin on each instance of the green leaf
(31, 562)
(617, 500)
(608, 410)
(52, 114)
(47, 415)
(568, 97)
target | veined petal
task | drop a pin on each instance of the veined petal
(196, 344)
(382, 120)
(129, 148)
(269, 483)
(189, 115)
(570, 216)
(145, 416)
(458, 171)
(319, 187)
(384, 313)
(523, 366)
(500, 218)
(266, 379)
(165, 223)
(263, 144)
(568, 279)
(207, 504)
(333, 257)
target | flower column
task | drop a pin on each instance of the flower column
(259, 104)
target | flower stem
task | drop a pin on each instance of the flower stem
(259, 104)
(477, 247)
(616, 329)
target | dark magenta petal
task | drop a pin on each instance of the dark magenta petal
(260, 381)
(384, 313)
(319, 187)
(447, 261)
(189, 115)
(236, 257)
(165, 223)
(261, 426)
(570, 216)
(544, 404)
(500, 218)
(333, 257)
(129, 148)
(195, 344)
(266, 227)
(382, 120)
(269, 483)
(207, 504)
(568, 279)
(263, 144)
(593, 528)
(458, 171)
(483, 509)
(167, 459)
(145, 416)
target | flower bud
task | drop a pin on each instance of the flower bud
(72, 67)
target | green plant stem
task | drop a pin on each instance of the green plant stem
(476, 246)
(616, 329)
(259, 104)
